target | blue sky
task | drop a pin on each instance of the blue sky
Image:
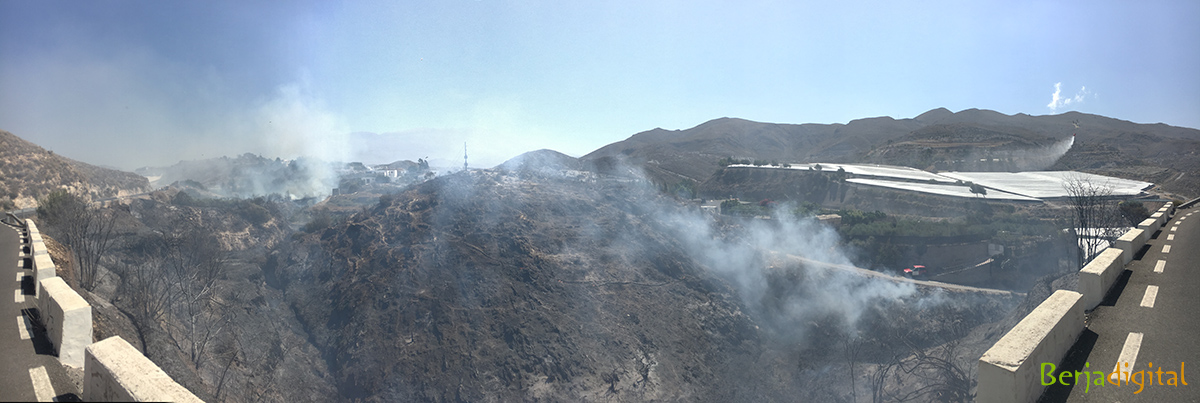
(130, 84)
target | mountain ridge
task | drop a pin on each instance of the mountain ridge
(693, 154)
(29, 172)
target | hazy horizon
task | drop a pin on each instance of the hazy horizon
(132, 84)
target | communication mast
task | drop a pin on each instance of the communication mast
(464, 156)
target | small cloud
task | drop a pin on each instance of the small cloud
(1058, 101)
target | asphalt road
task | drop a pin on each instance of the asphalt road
(29, 370)
(1137, 324)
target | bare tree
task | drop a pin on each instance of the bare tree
(225, 350)
(87, 230)
(852, 346)
(1095, 217)
(149, 291)
(194, 264)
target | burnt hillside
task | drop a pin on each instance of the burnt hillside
(485, 286)
(472, 287)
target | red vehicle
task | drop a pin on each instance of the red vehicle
(916, 271)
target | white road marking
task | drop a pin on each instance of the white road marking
(1160, 266)
(20, 277)
(1170, 237)
(1174, 228)
(18, 297)
(24, 327)
(1128, 356)
(1151, 295)
(1166, 248)
(41, 384)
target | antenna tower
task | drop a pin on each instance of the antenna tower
(464, 156)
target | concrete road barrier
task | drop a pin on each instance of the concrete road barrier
(67, 318)
(117, 372)
(43, 266)
(1099, 275)
(1148, 225)
(1159, 219)
(1009, 371)
(1167, 209)
(1130, 243)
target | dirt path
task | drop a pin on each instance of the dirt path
(871, 273)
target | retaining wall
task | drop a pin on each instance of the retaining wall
(68, 320)
(1009, 371)
(1099, 275)
(117, 372)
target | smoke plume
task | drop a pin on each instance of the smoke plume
(760, 260)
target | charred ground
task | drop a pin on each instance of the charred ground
(494, 286)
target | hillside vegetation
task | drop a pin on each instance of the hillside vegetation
(29, 172)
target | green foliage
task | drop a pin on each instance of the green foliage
(727, 161)
(736, 208)
(853, 217)
(1133, 211)
(729, 204)
(747, 210)
(59, 206)
(806, 209)
(982, 220)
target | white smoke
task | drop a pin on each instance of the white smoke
(1057, 100)
(1040, 159)
(295, 123)
(761, 254)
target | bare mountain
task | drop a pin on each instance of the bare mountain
(28, 172)
(937, 139)
(692, 154)
(543, 159)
